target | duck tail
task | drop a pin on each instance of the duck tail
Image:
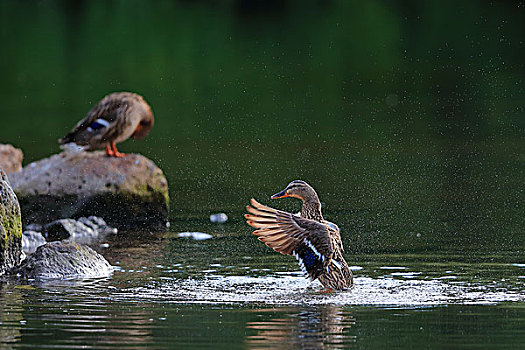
(66, 139)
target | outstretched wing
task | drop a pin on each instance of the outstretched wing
(308, 240)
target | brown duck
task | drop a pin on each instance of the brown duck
(117, 117)
(315, 242)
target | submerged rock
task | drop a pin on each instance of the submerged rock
(57, 260)
(98, 224)
(129, 192)
(68, 228)
(10, 158)
(10, 226)
(83, 230)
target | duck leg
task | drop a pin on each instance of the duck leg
(109, 151)
(327, 290)
(116, 153)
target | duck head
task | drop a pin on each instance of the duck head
(297, 189)
(146, 119)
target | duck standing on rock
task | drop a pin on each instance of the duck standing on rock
(117, 117)
(315, 242)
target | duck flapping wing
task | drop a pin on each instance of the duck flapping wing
(308, 240)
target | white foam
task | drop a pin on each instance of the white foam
(292, 289)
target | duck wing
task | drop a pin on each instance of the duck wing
(308, 240)
(102, 123)
(336, 234)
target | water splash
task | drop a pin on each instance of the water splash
(293, 290)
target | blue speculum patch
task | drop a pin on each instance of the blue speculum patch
(309, 259)
(96, 125)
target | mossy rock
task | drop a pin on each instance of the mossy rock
(129, 193)
(10, 226)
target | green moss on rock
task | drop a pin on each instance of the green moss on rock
(129, 192)
(10, 226)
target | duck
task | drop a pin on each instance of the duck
(313, 241)
(117, 117)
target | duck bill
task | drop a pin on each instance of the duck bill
(281, 194)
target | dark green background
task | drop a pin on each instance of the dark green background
(406, 116)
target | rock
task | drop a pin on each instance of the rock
(31, 240)
(99, 225)
(59, 260)
(10, 227)
(83, 230)
(198, 236)
(33, 227)
(68, 228)
(129, 192)
(10, 158)
(219, 218)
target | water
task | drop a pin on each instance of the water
(407, 118)
(170, 292)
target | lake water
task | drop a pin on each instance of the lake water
(170, 292)
(407, 118)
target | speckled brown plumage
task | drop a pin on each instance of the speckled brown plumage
(117, 117)
(315, 242)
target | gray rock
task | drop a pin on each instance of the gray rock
(10, 158)
(88, 223)
(69, 229)
(10, 227)
(97, 220)
(64, 260)
(84, 230)
(31, 240)
(99, 225)
(33, 227)
(129, 192)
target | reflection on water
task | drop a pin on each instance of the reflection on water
(171, 291)
(321, 327)
(70, 313)
(11, 319)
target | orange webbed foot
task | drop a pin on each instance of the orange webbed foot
(115, 152)
(326, 291)
(119, 155)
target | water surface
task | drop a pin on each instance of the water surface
(166, 292)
